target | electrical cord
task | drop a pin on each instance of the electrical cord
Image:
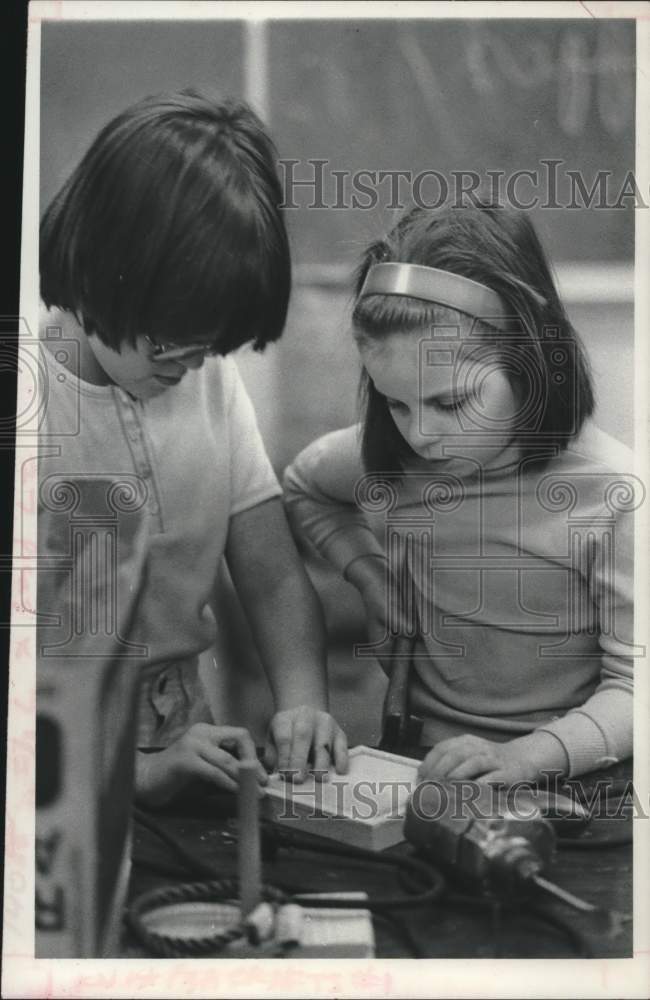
(168, 946)
(412, 873)
(216, 889)
(421, 873)
(424, 873)
(191, 861)
(166, 868)
(410, 867)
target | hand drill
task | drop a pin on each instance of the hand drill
(474, 831)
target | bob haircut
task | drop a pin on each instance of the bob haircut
(498, 247)
(170, 227)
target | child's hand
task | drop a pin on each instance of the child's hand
(473, 757)
(201, 752)
(296, 732)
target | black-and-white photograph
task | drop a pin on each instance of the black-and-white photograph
(330, 476)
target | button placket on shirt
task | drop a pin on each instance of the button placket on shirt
(138, 448)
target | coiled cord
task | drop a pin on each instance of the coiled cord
(168, 946)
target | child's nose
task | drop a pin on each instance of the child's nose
(422, 435)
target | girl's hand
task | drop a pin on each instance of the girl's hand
(473, 757)
(204, 751)
(295, 732)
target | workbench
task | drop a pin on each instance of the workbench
(205, 826)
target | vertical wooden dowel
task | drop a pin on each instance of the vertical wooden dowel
(249, 854)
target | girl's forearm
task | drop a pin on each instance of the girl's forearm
(289, 632)
(337, 531)
(281, 605)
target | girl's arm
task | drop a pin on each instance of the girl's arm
(286, 620)
(597, 733)
(320, 504)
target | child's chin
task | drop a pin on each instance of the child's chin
(146, 390)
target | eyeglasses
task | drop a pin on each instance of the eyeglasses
(171, 352)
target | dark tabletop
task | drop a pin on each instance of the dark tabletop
(453, 926)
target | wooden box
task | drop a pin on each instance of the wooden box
(364, 807)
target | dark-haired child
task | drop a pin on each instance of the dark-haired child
(480, 494)
(164, 252)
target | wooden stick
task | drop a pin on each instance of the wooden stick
(249, 854)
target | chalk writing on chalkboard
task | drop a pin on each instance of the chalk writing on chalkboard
(450, 96)
(581, 73)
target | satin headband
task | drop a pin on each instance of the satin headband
(443, 287)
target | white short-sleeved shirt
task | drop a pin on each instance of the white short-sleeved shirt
(135, 499)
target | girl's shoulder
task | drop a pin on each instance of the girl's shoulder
(343, 445)
(597, 471)
(332, 463)
(595, 451)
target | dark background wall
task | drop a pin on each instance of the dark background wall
(378, 95)
(91, 70)
(458, 95)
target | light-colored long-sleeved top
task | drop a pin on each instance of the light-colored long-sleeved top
(521, 580)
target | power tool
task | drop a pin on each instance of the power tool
(485, 838)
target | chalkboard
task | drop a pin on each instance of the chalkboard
(392, 95)
(91, 70)
(451, 95)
